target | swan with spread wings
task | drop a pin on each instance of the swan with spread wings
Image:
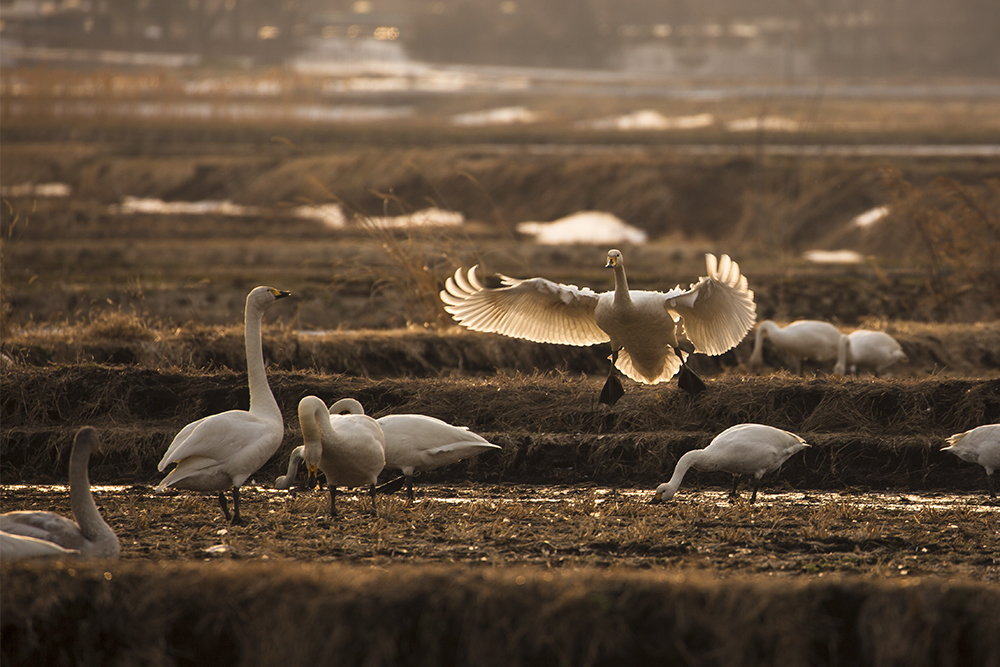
(643, 327)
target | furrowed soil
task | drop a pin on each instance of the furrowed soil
(871, 547)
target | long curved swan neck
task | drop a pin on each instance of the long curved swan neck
(683, 465)
(261, 398)
(85, 511)
(843, 352)
(764, 329)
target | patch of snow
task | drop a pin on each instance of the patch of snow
(37, 190)
(429, 217)
(775, 123)
(584, 227)
(132, 205)
(331, 215)
(501, 116)
(649, 119)
(833, 256)
(870, 217)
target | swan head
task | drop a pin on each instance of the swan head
(663, 493)
(614, 259)
(264, 296)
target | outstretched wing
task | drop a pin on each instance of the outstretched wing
(536, 309)
(718, 310)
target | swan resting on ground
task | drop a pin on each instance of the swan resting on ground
(744, 449)
(220, 452)
(812, 340)
(20, 547)
(980, 445)
(348, 448)
(643, 327)
(89, 535)
(871, 350)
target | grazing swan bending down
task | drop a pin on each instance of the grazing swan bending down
(220, 451)
(90, 535)
(285, 482)
(419, 442)
(980, 445)
(871, 350)
(803, 339)
(348, 448)
(744, 449)
(20, 547)
(641, 326)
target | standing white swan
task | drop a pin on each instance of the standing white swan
(90, 535)
(812, 340)
(220, 451)
(348, 448)
(872, 350)
(418, 442)
(980, 445)
(744, 449)
(641, 326)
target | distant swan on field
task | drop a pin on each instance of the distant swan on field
(871, 350)
(811, 340)
(89, 535)
(348, 448)
(297, 456)
(642, 326)
(744, 449)
(980, 445)
(221, 451)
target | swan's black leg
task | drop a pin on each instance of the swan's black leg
(992, 484)
(236, 507)
(613, 389)
(225, 506)
(756, 485)
(371, 492)
(733, 494)
(333, 500)
(409, 487)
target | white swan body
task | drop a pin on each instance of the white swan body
(812, 340)
(980, 445)
(641, 326)
(90, 535)
(221, 451)
(418, 442)
(348, 448)
(19, 547)
(744, 449)
(874, 351)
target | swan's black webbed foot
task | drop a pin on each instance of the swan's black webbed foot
(612, 390)
(689, 381)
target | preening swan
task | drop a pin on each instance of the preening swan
(348, 448)
(744, 449)
(871, 350)
(980, 445)
(812, 340)
(419, 442)
(90, 535)
(641, 326)
(220, 451)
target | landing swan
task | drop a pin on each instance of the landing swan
(744, 449)
(871, 350)
(641, 326)
(90, 535)
(980, 445)
(348, 448)
(812, 340)
(220, 451)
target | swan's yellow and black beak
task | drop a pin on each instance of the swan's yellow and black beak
(311, 480)
(612, 262)
(656, 499)
(280, 293)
